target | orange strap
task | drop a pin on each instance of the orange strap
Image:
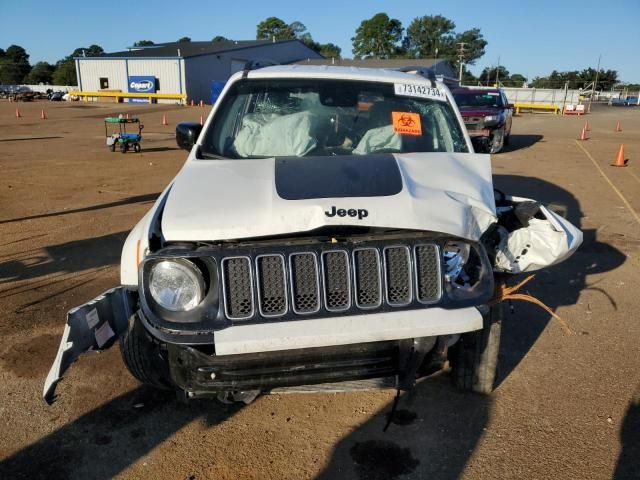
(503, 292)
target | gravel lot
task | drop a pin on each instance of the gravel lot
(568, 406)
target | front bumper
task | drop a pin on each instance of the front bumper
(265, 355)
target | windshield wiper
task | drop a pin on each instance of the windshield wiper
(210, 156)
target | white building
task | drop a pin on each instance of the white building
(182, 68)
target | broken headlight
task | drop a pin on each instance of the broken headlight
(176, 285)
(467, 272)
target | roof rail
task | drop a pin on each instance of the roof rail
(256, 64)
(422, 71)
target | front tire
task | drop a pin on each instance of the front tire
(474, 358)
(142, 356)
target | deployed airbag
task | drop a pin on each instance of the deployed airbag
(271, 134)
(376, 139)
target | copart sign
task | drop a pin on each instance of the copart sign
(141, 84)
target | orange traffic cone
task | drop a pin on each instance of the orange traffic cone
(43, 116)
(164, 120)
(583, 134)
(201, 103)
(128, 116)
(620, 160)
(586, 126)
(192, 104)
(201, 120)
(18, 114)
(618, 127)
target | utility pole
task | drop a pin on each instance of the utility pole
(593, 87)
(498, 72)
(461, 53)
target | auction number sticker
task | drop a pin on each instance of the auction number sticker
(420, 91)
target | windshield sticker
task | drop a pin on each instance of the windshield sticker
(491, 94)
(406, 123)
(420, 91)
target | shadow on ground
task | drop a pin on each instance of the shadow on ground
(518, 142)
(628, 467)
(150, 197)
(105, 441)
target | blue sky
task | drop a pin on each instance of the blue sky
(529, 37)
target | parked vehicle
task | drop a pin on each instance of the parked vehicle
(487, 114)
(56, 96)
(624, 102)
(121, 139)
(331, 228)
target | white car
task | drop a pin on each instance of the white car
(332, 228)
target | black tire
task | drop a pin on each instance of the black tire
(142, 356)
(124, 147)
(474, 358)
(136, 147)
(112, 147)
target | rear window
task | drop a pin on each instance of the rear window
(279, 118)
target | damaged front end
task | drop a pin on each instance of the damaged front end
(92, 327)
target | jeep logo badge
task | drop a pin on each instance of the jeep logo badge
(352, 212)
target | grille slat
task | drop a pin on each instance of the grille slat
(397, 261)
(337, 283)
(272, 293)
(238, 287)
(368, 285)
(305, 283)
(427, 273)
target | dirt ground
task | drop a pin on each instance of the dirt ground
(567, 406)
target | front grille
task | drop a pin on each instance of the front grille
(272, 294)
(238, 287)
(344, 279)
(397, 263)
(368, 282)
(305, 283)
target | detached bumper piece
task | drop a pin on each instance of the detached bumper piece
(94, 326)
(200, 374)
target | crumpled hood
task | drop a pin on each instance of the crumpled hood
(211, 200)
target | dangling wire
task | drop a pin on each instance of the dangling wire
(503, 292)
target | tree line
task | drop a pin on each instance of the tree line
(428, 36)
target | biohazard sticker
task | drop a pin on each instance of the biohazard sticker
(419, 91)
(406, 123)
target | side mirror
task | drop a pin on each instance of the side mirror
(187, 134)
(510, 105)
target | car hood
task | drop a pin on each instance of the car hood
(211, 200)
(479, 112)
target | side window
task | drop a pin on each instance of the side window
(104, 83)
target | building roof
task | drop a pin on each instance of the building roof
(193, 49)
(378, 62)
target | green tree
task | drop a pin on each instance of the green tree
(65, 73)
(220, 38)
(276, 28)
(468, 78)
(515, 80)
(377, 37)
(184, 40)
(473, 48)
(489, 75)
(14, 65)
(42, 72)
(329, 50)
(428, 33)
(143, 43)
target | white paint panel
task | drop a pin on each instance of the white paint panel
(92, 70)
(324, 332)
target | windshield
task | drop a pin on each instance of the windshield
(278, 118)
(478, 99)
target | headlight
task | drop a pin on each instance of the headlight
(467, 272)
(491, 119)
(176, 285)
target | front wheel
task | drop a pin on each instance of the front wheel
(136, 147)
(497, 141)
(474, 358)
(143, 357)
